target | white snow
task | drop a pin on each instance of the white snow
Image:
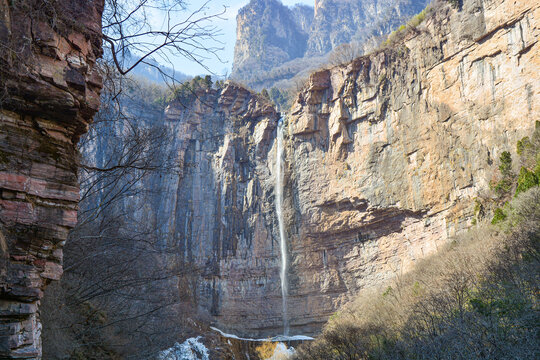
(194, 349)
(191, 349)
(282, 352)
(278, 338)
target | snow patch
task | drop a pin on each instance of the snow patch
(191, 349)
(278, 338)
(281, 352)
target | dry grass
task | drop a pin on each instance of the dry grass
(477, 298)
(446, 274)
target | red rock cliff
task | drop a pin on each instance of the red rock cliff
(49, 91)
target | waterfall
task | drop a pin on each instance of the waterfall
(282, 237)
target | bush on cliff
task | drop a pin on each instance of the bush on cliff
(399, 34)
(526, 180)
(475, 299)
(189, 90)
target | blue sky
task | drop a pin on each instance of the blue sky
(228, 28)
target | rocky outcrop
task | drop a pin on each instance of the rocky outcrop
(49, 93)
(387, 154)
(385, 157)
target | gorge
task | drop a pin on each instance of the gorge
(271, 221)
(384, 157)
(276, 45)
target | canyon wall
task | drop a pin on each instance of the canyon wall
(269, 34)
(384, 159)
(387, 154)
(338, 22)
(49, 93)
(219, 210)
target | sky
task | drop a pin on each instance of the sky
(227, 27)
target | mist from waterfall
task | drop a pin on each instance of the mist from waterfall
(281, 223)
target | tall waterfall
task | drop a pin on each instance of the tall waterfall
(282, 236)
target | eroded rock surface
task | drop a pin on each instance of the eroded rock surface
(219, 210)
(384, 159)
(386, 155)
(49, 91)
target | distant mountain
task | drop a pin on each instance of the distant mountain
(275, 43)
(269, 34)
(151, 70)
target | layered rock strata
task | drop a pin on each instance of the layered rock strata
(387, 154)
(49, 92)
(219, 210)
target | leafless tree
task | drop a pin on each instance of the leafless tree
(121, 280)
(124, 292)
(130, 28)
(344, 53)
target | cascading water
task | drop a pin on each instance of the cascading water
(282, 237)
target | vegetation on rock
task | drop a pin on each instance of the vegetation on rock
(475, 299)
(188, 90)
(528, 150)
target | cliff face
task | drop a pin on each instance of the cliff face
(384, 159)
(219, 209)
(269, 34)
(343, 21)
(388, 153)
(49, 93)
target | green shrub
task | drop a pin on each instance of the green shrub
(498, 216)
(505, 165)
(187, 92)
(281, 98)
(523, 144)
(412, 23)
(418, 18)
(503, 187)
(526, 180)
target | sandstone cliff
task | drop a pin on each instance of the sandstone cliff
(388, 153)
(49, 93)
(385, 157)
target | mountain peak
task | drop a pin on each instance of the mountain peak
(275, 42)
